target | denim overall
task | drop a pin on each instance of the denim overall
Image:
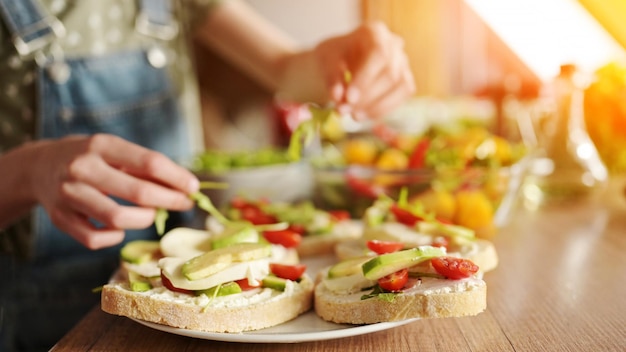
(125, 93)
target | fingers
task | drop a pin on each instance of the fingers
(83, 231)
(143, 162)
(84, 199)
(94, 171)
(381, 73)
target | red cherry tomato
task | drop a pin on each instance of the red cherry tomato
(256, 216)
(297, 228)
(394, 282)
(287, 238)
(454, 268)
(382, 247)
(244, 284)
(289, 272)
(168, 284)
(417, 159)
(404, 216)
(363, 187)
(339, 215)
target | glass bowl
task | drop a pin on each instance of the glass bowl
(479, 194)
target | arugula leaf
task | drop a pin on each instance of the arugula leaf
(379, 293)
(204, 203)
(307, 130)
(159, 220)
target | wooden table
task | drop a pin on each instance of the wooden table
(560, 286)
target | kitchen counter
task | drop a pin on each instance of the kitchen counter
(560, 286)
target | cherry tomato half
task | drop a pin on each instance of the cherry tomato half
(244, 284)
(404, 216)
(454, 268)
(256, 216)
(394, 282)
(339, 215)
(168, 284)
(382, 247)
(286, 238)
(289, 272)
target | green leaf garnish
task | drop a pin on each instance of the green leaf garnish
(204, 203)
(159, 220)
(381, 294)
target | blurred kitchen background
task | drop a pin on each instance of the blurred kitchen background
(488, 58)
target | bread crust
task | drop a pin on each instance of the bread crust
(441, 303)
(118, 299)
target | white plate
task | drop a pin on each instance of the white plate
(307, 327)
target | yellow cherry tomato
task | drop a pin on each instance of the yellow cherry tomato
(438, 201)
(360, 151)
(475, 211)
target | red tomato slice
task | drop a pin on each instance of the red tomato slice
(394, 282)
(382, 247)
(289, 272)
(256, 216)
(297, 228)
(168, 284)
(404, 216)
(417, 159)
(245, 285)
(339, 215)
(364, 188)
(454, 268)
(286, 238)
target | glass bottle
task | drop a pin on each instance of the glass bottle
(567, 166)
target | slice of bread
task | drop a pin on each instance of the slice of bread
(250, 310)
(415, 283)
(433, 298)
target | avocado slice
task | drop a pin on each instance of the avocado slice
(275, 282)
(225, 289)
(139, 251)
(347, 267)
(389, 263)
(236, 232)
(216, 260)
(138, 283)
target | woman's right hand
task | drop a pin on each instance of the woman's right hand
(73, 177)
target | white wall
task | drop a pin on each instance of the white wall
(309, 21)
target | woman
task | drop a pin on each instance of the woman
(96, 100)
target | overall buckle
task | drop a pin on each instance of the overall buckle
(57, 30)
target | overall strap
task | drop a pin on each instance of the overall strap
(31, 27)
(155, 19)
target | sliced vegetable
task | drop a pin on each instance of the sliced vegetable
(289, 272)
(286, 238)
(394, 282)
(382, 247)
(454, 268)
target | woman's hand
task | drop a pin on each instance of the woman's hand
(365, 73)
(73, 177)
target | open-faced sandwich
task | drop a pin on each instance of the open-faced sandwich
(398, 284)
(398, 221)
(311, 231)
(232, 281)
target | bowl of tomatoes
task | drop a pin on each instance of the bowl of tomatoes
(462, 174)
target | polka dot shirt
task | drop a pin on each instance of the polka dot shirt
(93, 27)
